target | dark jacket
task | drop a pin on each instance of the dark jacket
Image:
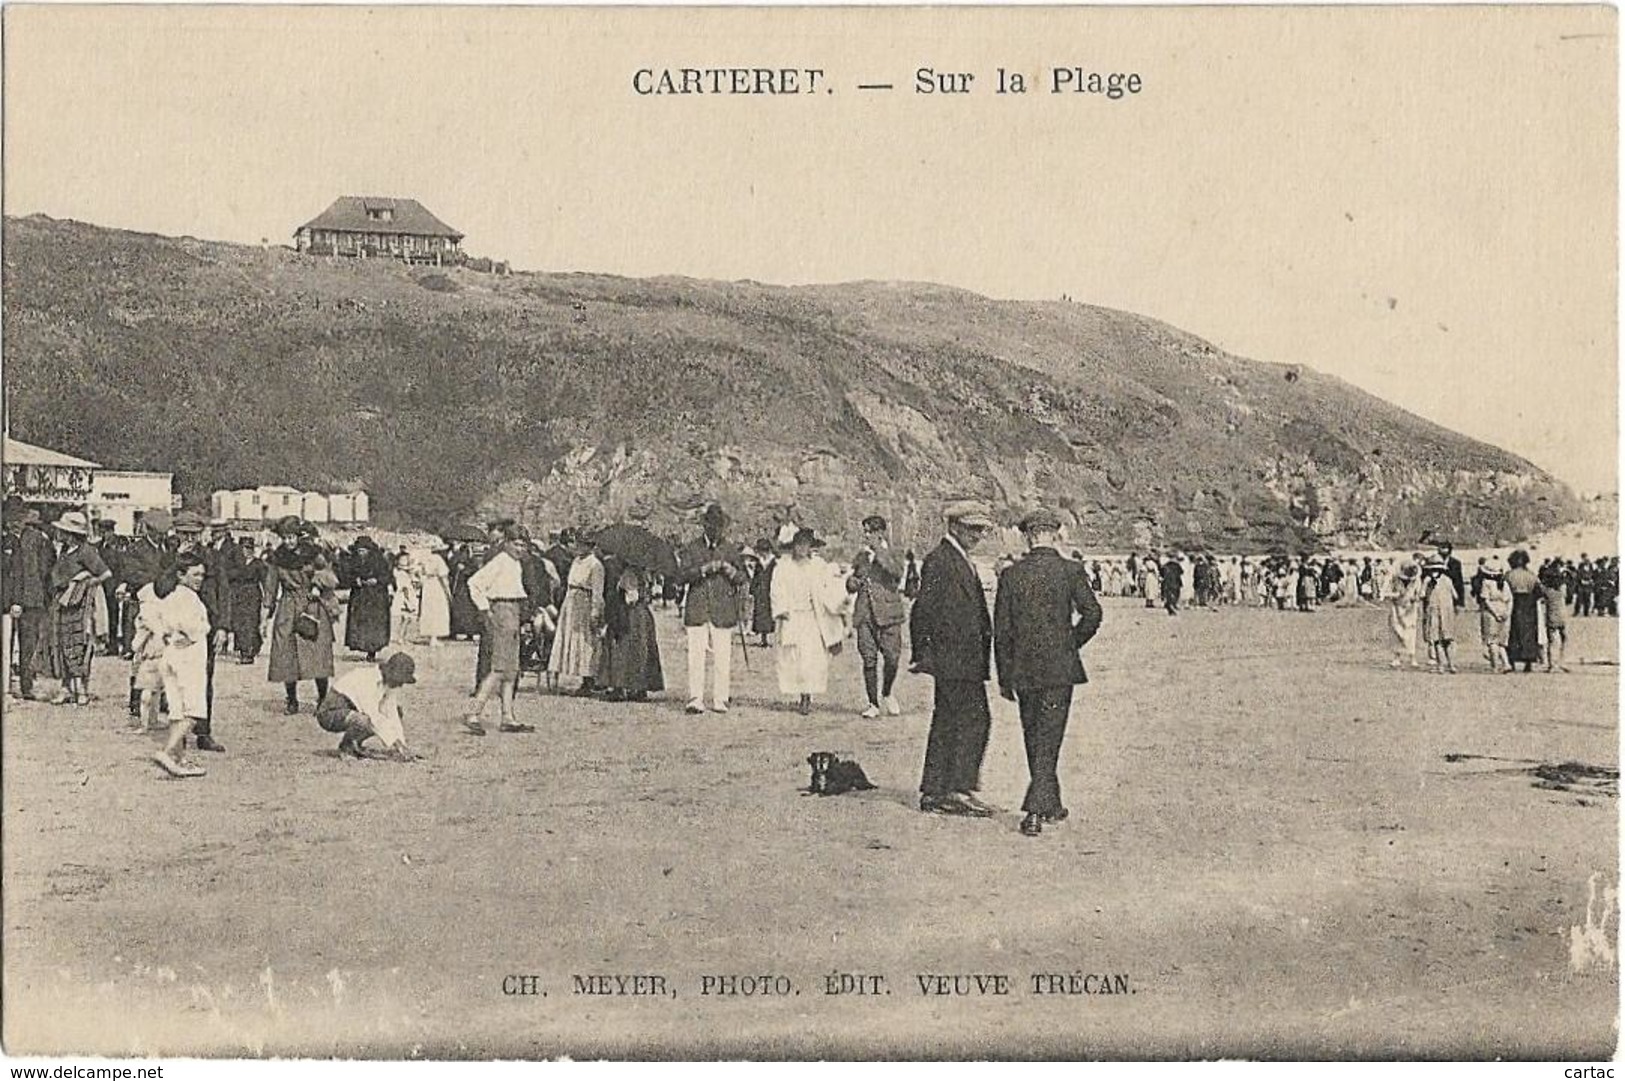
(1035, 639)
(1454, 571)
(34, 557)
(877, 579)
(951, 631)
(712, 598)
(144, 560)
(222, 563)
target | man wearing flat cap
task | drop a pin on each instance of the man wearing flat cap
(713, 569)
(952, 635)
(878, 614)
(1044, 613)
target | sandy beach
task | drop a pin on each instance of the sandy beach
(1277, 847)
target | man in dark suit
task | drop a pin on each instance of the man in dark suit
(1035, 648)
(713, 570)
(1453, 569)
(952, 635)
(878, 614)
(32, 560)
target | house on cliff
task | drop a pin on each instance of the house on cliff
(367, 226)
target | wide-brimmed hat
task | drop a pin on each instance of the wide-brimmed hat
(1493, 567)
(187, 522)
(805, 535)
(971, 512)
(288, 525)
(73, 522)
(159, 521)
(875, 523)
(715, 515)
(399, 669)
(1434, 565)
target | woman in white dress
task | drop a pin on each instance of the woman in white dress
(808, 598)
(578, 641)
(404, 606)
(434, 596)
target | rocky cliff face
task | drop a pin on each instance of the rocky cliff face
(562, 398)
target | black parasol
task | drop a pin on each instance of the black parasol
(638, 547)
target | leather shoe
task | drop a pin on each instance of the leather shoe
(982, 810)
(290, 708)
(207, 743)
(1032, 826)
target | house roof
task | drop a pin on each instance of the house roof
(348, 214)
(19, 453)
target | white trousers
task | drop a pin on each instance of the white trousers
(718, 642)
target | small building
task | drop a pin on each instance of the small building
(279, 501)
(379, 226)
(124, 495)
(36, 475)
(314, 507)
(248, 507)
(362, 510)
(341, 507)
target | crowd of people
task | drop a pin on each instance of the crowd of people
(578, 612)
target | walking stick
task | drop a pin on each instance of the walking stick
(743, 644)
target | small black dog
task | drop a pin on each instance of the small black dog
(833, 775)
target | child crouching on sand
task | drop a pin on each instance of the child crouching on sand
(365, 702)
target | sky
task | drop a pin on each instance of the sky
(1421, 201)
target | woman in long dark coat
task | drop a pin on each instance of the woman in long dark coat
(632, 654)
(247, 584)
(301, 583)
(465, 617)
(372, 584)
(761, 592)
(1523, 638)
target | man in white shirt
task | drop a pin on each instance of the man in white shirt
(365, 702)
(498, 591)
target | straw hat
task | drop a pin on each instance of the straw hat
(73, 522)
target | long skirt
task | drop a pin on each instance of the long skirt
(367, 630)
(632, 661)
(434, 614)
(1523, 637)
(577, 646)
(465, 617)
(67, 644)
(802, 656)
